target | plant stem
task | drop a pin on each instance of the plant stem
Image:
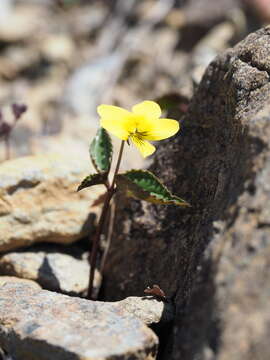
(118, 163)
(108, 236)
(7, 147)
(102, 220)
(96, 241)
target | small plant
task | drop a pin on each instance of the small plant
(7, 127)
(140, 126)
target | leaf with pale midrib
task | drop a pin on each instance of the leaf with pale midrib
(101, 151)
(143, 185)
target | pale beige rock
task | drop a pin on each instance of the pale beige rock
(42, 325)
(39, 202)
(58, 48)
(51, 268)
(13, 279)
(148, 309)
(21, 24)
(16, 60)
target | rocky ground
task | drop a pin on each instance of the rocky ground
(63, 58)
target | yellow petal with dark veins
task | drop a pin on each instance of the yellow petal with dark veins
(143, 146)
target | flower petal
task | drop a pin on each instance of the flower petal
(115, 127)
(143, 146)
(111, 112)
(162, 129)
(149, 109)
(116, 120)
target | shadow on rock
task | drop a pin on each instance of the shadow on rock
(46, 277)
(213, 163)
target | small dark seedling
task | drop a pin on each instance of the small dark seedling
(156, 291)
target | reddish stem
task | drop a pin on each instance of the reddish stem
(102, 220)
(7, 147)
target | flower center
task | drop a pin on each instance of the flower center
(138, 136)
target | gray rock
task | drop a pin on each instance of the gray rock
(210, 259)
(51, 268)
(6, 7)
(42, 325)
(87, 84)
(148, 309)
(17, 25)
(39, 202)
(216, 41)
(6, 279)
(196, 14)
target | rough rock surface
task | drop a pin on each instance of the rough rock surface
(42, 325)
(148, 309)
(38, 201)
(51, 268)
(220, 163)
(6, 279)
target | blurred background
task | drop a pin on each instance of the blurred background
(62, 58)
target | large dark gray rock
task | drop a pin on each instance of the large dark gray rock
(211, 259)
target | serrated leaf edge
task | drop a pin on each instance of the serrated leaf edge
(111, 152)
(173, 199)
(92, 176)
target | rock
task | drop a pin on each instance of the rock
(7, 279)
(148, 309)
(39, 202)
(217, 39)
(41, 325)
(58, 48)
(51, 268)
(87, 20)
(6, 7)
(243, 288)
(21, 24)
(17, 59)
(220, 163)
(193, 13)
(89, 82)
(240, 253)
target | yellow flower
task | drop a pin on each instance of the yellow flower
(140, 125)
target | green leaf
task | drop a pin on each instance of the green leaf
(173, 101)
(67, 2)
(101, 151)
(93, 179)
(144, 185)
